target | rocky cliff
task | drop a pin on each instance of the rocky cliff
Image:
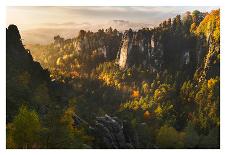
(24, 76)
(110, 132)
(173, 46)
(103, 43)
(208, 33)
(146, 48)
(139, 48)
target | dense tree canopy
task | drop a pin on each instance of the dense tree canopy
(168, 94)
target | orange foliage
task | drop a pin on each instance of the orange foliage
(147, 115)
(135, 93)
(211, 83)
(74, 74)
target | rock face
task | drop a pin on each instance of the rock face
(209, 52)
(209, 46)
(106, 45)
(100, 43)
(110, 132)
(175, 48)
(21, 58)
(86, 44)
(212, 62)
(140, 48)
(21, 70)
(113, 133)
(148, 49)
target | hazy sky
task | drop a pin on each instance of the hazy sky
(40, 24)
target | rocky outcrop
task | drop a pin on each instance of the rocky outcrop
(16, 54)
(90, 43)
(106, 45)
(209, 58)
(209, 46)
(140, 48)
(148, 49)
(174, 48)
(21, 70)
(84, 44)
(110, 132)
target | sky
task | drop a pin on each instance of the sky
(39, 24)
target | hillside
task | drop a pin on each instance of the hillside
(151, 88)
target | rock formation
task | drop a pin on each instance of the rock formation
(21, 70)
(140, 48)
(110, 132)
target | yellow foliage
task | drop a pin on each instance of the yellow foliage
(59, 61)
(158, 110)
(67, 117)
(157, 94)
(106, 79)
(211, 83)
(145, 87)
(193, 27)
(210, 24)
(65, 57)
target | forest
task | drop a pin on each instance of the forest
(154, 88)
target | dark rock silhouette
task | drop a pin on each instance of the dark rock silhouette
(20, 61)
(110, 132)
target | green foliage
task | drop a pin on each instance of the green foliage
(168, 137)
(197, 17)
(163, 93)
(10, 144)
(174, 105)
(25, 129)
(62, 125)
(191, 139)
(78, 56)
(188, 93)
(207, 99)
(212, 140)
